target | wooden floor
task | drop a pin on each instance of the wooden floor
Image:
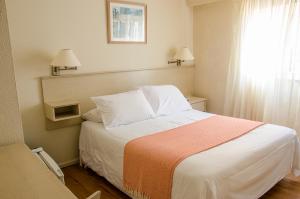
(83, 182)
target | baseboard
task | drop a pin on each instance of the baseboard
(68, 163)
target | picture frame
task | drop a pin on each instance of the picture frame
(126, 22)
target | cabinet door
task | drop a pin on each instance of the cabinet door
(201, 106)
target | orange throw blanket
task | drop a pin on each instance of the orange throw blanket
(150, 161)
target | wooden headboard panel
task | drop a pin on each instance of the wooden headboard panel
(82, 86)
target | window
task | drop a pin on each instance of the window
(270, 45)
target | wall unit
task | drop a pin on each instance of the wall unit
(62, 110)
(80, 87)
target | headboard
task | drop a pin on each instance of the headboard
(81, 87)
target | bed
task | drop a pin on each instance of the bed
(245, 168)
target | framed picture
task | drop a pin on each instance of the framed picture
(126, 22)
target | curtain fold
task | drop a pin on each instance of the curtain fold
(264, 73)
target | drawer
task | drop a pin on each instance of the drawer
(200, 106)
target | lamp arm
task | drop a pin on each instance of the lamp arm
(56, 69)
(178, 62)
(68, 68)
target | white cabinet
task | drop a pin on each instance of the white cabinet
(198, 103)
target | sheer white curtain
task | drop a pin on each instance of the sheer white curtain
(264, 72)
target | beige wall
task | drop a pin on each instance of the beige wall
(200, 2)
(213, 31)
(10, 117)
(38, 29)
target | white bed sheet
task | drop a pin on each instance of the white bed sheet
(244, 168)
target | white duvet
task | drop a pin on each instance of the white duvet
(244, 168)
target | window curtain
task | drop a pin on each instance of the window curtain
(264, 71)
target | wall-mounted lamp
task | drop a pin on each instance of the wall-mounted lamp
(64, 60)
(182, 55)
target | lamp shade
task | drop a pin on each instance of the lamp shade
(184, 54)
(65, 57)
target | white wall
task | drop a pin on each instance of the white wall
(10, 117)
(213, 31)
(38, 29)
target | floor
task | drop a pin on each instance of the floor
(83, 182)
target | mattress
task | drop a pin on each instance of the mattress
(244, 168)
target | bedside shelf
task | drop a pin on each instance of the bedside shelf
(62, 110)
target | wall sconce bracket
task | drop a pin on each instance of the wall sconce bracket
(178, 62)
(56, 69)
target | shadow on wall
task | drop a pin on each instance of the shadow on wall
(172, 53)
(39, 122)
(37, 138)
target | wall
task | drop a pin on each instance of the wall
(213, 31)
(200, 2)
(10, 117)
(38, 29)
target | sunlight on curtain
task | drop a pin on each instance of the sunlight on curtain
(264, 72)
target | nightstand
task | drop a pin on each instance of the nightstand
(197, 103)
(62, 110)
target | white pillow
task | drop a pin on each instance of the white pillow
(93, 115)
(165, 99)
(123, 108)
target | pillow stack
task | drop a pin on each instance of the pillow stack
(166, 99)
(145, 103)
(123, 108)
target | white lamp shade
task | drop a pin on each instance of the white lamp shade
(65, 57)
(184, 54)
